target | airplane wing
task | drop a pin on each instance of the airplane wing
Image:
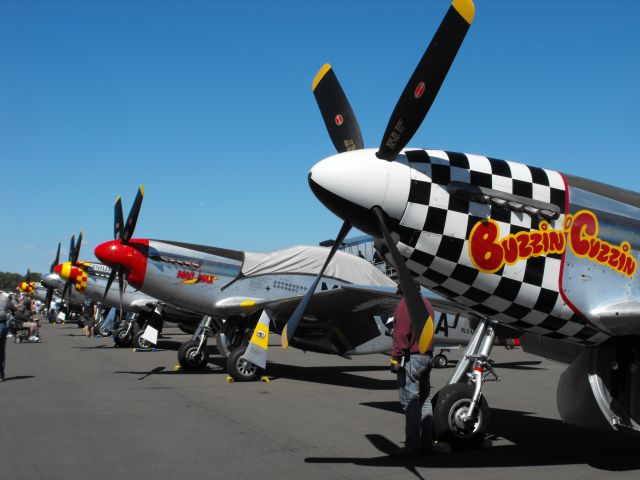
(337, 320)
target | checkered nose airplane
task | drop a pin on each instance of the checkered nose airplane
(547, 253)
(90, 279)
(243, 296)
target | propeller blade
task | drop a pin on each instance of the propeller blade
(48, 298)
(65, 289)
(421, 321)
(337, 114)
(76, 249)
(72, 246)
(112, 277)
(27, 277)
(132, 219)
(419, 94)
(56, 260)
(121, 288)
(118, 220)
(290, 328)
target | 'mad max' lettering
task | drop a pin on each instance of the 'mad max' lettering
(580, 232)
(189, 277)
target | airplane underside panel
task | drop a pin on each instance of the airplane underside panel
(601, 389)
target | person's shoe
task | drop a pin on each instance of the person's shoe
(9, 335)
(407, 452)
(33, 338)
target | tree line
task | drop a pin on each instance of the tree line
(9, 280)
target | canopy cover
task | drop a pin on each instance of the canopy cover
(304, 259)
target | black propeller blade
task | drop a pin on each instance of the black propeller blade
(120, 288)
(72, 246)
(337, 114)
(290, 328)
(112, 277)
(118, 225)
(423, 86)
(421, 321)
(132, 219)
(56, 261)
(123, 232)
(76, 249)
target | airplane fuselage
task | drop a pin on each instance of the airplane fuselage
(533, 248)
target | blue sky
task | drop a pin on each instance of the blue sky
(209, 105)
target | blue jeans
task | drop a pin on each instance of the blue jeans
(4, 329)
(414, 387)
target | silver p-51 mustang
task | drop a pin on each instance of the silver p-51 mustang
(547, 253)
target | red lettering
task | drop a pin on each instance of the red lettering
(510, 247)
(583, 222)
(485, 253)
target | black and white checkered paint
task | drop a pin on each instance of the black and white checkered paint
(434, 236)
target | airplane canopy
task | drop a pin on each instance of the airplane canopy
(309, 260)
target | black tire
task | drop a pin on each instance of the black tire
(440, 361)
(449, 402)
(103, 331)
(141, 343)
(121, 338)
(190, 359)
(241, 370)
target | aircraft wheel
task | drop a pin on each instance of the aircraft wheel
(450, 404)
(440, 361)
(141, 343)
(239, 369)
(189, 358)
(104, 331)
(122, 338)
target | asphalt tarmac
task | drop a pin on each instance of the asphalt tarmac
(78, 408)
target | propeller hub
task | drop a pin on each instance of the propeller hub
(350, 184)
(131, 256)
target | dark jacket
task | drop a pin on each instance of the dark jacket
(403, 339)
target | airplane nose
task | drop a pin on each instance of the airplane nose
(350, 184)
(57, 269)
(132, 257)
(112, 253)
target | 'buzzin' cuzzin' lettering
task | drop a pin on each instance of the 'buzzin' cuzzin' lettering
(580, 232)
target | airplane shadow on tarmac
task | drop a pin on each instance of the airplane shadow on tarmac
(338, 376)
(537, 442)
(18, 377)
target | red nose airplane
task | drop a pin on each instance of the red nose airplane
(246, 295)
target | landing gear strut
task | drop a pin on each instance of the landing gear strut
(460, 412)
(194, 355)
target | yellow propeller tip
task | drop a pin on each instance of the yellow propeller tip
(466, 9)
(141, 189)
(320, 75)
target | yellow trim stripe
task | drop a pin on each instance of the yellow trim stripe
(466, 9)
(320, 75)
(285, 342)
(65, 271)
(258, 339)
(247, 303)
(426, 336)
